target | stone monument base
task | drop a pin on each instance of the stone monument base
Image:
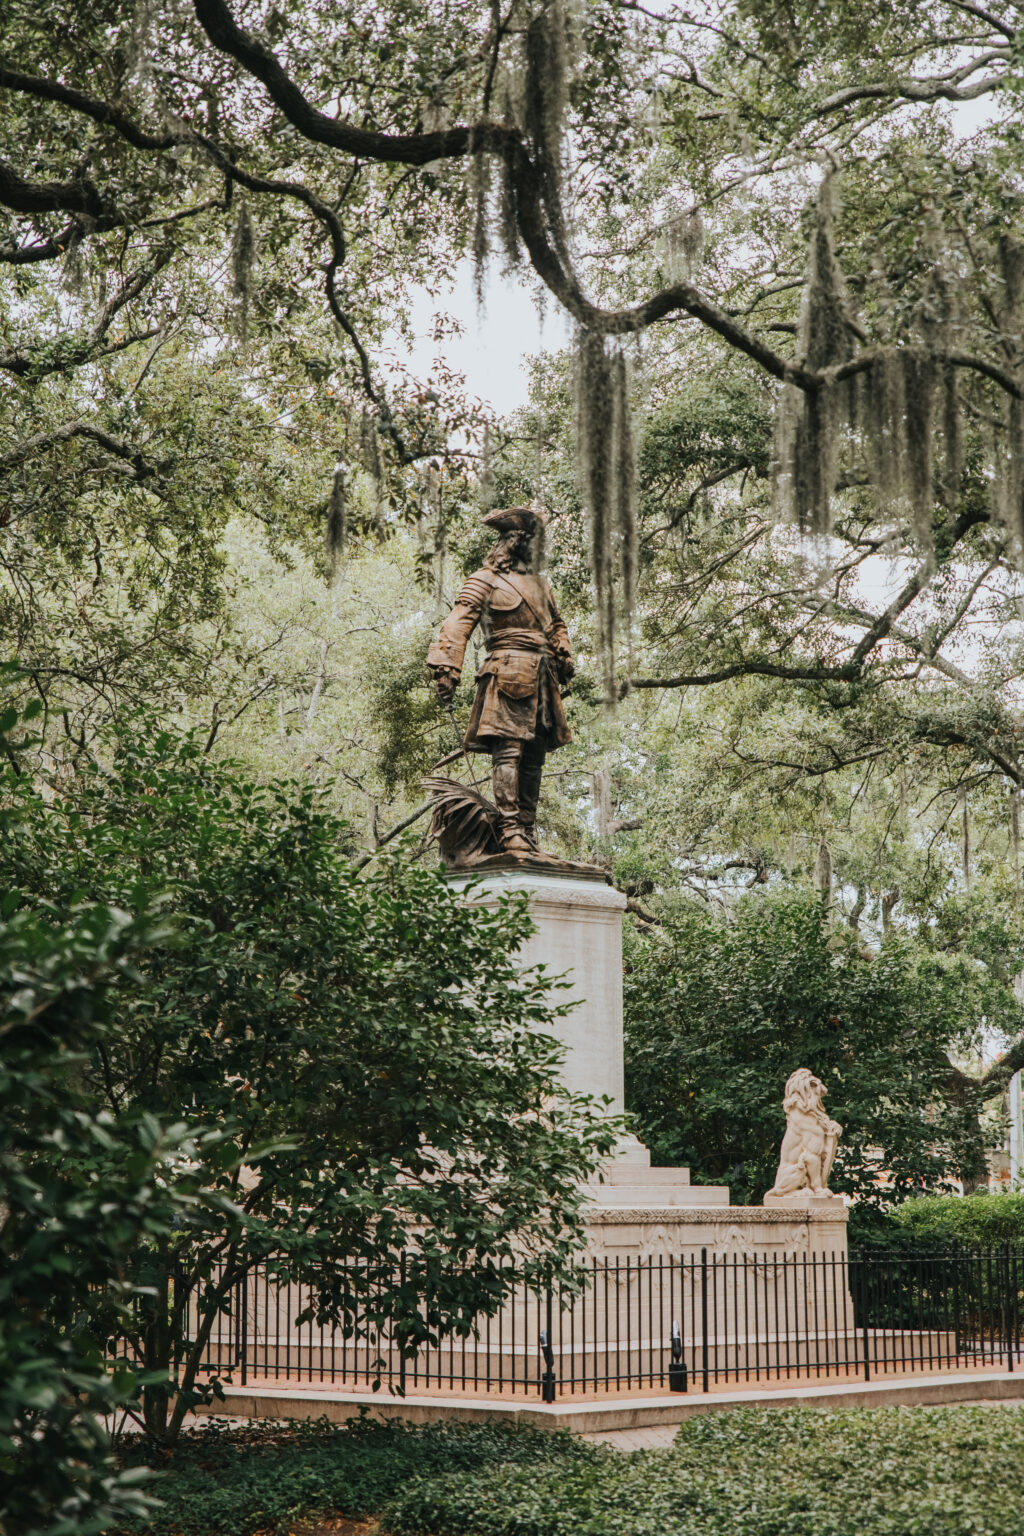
(662, 1231)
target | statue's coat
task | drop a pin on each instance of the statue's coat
(517, 694)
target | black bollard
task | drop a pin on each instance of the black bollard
(547, 1380)
(677, 1379)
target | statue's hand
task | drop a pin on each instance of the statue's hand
(446, 680)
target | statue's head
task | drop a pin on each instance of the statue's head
(521, 537)
(804, 1091)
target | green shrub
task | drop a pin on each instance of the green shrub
(221, 1482)
(718, 1014)
(941, 1222)
(755, 1472)
(752, 1472)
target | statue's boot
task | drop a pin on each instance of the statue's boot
(530, 771)
(505, 767)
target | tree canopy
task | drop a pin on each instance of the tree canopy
(377, 1076)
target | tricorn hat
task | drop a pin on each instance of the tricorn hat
(515, 520)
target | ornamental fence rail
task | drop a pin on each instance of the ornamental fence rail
(687, 1323)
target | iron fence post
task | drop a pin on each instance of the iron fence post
(401, 1345)
(1006, 1311)
(862, 1292)
(704, 1314)
(956, 1302)
(243, 1323)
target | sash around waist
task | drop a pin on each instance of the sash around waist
(518, 640)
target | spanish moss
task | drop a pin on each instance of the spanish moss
(901, 415)
(823, 871)
(607, 481)
(1009, 456)
(372, 461)
(369, 446)
(824, 327)
(949, 444)
(809, 422)
(548, 50)
(337, 519)
(480, 197)
(243, 251)
(508, 216)
(920, 378)
(681, 243)
(141, 44)
(624, 481)
(485, 480)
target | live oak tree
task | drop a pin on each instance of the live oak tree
(596, 140)
(452, 130)
(745, 209)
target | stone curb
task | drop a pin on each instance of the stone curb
(633, 1413)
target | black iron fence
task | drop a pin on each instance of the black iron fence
(686, 1323)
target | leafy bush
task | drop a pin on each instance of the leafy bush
(939, 1222)
(78, 1192)
(756, 1472)
(750, 1472)
(222, 1482)
(366, 1043)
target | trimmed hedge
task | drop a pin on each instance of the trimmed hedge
(941, 1222)
(752, 1472)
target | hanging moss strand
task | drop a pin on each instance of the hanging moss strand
(606, 472)
(337, 520)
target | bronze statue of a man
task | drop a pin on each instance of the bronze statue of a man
(517, 714)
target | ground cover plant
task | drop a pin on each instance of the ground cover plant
(220, 1481)
(753, 1472)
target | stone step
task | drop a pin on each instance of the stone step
(641, 1195)
(631, 1173)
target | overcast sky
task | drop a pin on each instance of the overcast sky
(495, 341)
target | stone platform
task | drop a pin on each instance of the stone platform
(637, 1210)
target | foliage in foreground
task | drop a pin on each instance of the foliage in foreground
(78, 1192)
(382, 1075)
(752, 1472)
(227, 1482)
(718, 1014)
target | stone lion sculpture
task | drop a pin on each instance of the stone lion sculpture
(809, 1145)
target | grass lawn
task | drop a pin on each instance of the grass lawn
(753, 1472)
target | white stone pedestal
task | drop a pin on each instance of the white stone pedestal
(578, 937)
(639, 1211)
